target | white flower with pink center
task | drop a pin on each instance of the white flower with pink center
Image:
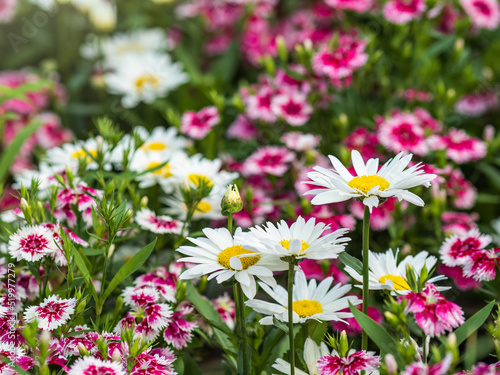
(403, 11)
(477, 104)
(96, 366)
(342, 62)
(155, 362)
(418, 368)
(271, 160)
(354, 5)
(457, 249)
(137, 296)
(259, 105)
(459, 146)
(15, 355)
(434, 313)
(483, 13)
(198, 124)
(481, 265)
(160, 224)
(52, 313)
(300, 141)
(292, 107)
(70, 344)
(179, 331)
(403, 132)
(32, 243)
(351, 364)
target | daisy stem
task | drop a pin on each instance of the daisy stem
(240, 320)
(230, 223)
(291, 267)
(366, 245)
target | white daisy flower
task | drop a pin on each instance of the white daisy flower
(143, 161)
(310, 301)
(32, 243)
(115, 47)
(52, 313)
(144, 78)
(162, 224)
(166, 141)
(312, 354)
(197, 170)
(45, 176)
(221, 257)
(71, 154)
(301, 240)
(207, 208)
(92, 365)
(370, 183)
(386, 273)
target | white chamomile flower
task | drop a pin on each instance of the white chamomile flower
(207, 208)
(370, 183)
(302, 240)
(144, 78)
(161, 140)
(115, 47)
(164, 175)
(386, 273)
(72, 154)
(310, 301)
(220, 257)
(199, 170)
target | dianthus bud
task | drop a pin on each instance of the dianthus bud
(390, 364)
(116, 356)
(231, 202)
(343, 344)
(83, 350)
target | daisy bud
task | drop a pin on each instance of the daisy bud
(116, 356)
(231, 202)
(144, 201)
(452, 340)
(103, 15)
(390, 364)
(83, 350)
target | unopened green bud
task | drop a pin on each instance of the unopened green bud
(231, 202)
(116, 356)
(83, 350)
(281, 45)
(391, 364)
(343, 344)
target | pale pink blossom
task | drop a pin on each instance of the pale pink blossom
(457, 275)
(258, 40)
(483, 13)
(459, 222)
(462, 193)
(92, 365)
(198, 124)
(300, 141)
(381, 216)
(259, 105)
(420, 368)
(343, 61)
(434, 313)
(403, 11)
(364, 141)
(51, 133)
(81, 196)
(226, 309)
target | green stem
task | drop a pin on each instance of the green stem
(242, 330)
(366, 245)
(290, 317)
(230, 223)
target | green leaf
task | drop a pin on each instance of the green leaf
(128, 269)
(93, 252)
(473, 323)
(13, 149)
(281, 325)
(378, 335)
(492, 173)
(352, 262)
(80, 263)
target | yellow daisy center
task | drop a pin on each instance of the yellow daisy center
(235, 250)
(146, 79)
(203, 207)
(81, 154)
(365, 183)
(199, 179)
(303, 245)
(307, 307)
(398, 282)
(163, 171)
(155, 146)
